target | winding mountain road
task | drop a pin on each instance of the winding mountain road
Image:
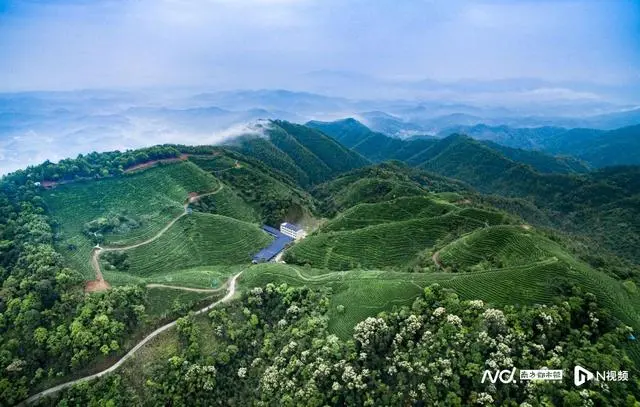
(99, 283)
(230, 293)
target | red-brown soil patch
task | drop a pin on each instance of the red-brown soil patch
(96, 285)
(151, 163)
(48, 184)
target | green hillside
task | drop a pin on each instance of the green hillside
(334, 155)
(379, 183)
(598, 205)
(404, 208)
(367, 293)
(392, 244)
(272, 195)
(266, 152)
(373, 145)
(497, 247)
(542, 162)
(379, 147)
(600, 148)
(528, 138)
(304, 154)
(148, 199)
(389, 231)
(349, 132)
(197, 240)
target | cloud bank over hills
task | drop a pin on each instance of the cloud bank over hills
(187, 71)
(36, 126)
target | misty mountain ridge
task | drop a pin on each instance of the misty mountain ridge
(51, 125)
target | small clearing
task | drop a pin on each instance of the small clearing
(151, 163)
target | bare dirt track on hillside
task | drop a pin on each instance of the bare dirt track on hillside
(176, 287)
(99, 284)
(436, 259)
(151, 163)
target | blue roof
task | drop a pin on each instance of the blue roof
(273, 249)
(272, 231)
(291, 226)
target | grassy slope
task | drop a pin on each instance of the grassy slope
(154, 196)
(198, 240)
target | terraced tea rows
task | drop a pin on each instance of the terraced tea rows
(214, 163)
(496, 246)
(385, 245)
(198, 240)
(366, 293)
(153, 197)
(400, 209)
(227, 203)
(371, 190)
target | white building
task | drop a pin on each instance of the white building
(292, 230)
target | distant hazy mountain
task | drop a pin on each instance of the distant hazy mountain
(599, 148)
(36, 126)
(391, 125)
(527, 137)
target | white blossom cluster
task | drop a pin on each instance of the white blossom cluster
(242, 372)
(476, 304)
(364, 331)
(439, 311)
(495, 318)
(484, 399)
(203, 375)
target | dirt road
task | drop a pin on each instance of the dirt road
(176, 287)
(230, 293)
(99, 284)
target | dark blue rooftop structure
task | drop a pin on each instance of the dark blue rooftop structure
(271, 251)
(272, 231)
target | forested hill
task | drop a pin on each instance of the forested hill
(600, 204)
(305, 154)
(373, 145)
(379, 147)
(599, 148)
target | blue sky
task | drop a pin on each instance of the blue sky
(73, 44)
